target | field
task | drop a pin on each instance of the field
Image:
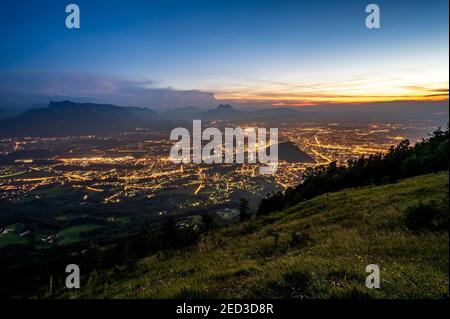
(318, 249)
(73, 234)
(12, 237)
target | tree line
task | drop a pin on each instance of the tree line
(401, 161)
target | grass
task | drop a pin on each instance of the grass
(13, 239)
(13, 236)
(72, 234)
(339, 234)
(68, 235)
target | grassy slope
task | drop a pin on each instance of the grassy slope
(349, 230)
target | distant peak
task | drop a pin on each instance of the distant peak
(60, 103)
(224, 106)
(186, 108)
(66, 104)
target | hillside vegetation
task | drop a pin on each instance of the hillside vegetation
(430, 155)
(318, 248)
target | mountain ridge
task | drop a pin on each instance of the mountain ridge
(71, 118)
(65, 118)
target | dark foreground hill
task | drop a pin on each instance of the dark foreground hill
(289, 152)
(69, 118)
(317, 249)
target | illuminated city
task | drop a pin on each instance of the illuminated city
(136, 165)
(224, 150)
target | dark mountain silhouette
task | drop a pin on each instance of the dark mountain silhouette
(6, 113)
(225, 112)
(70, 118)
(184, 113)
(434, 112)
(283, 112)
(291, 153)
(144, 113)
(67, 118)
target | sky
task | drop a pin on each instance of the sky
(166, 54)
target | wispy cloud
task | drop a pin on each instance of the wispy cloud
(356, 89)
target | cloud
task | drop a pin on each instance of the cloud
(23, 89)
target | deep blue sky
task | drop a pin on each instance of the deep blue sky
(244, 50)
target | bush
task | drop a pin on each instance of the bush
(298, 281)
(207, 221)
(428, 216)
(294, 285)
(300, 239)
(269, 250)
(244, 210)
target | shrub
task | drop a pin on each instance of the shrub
(268, 250)
(300, 239)
(428, 216)
(244, 210)
(207, 221)
(299, 282)
(275, 234)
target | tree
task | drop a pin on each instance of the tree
(169, 233)
(207, 221)
(401, 161)
(244, 211)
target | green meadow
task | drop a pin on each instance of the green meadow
(317, 249)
